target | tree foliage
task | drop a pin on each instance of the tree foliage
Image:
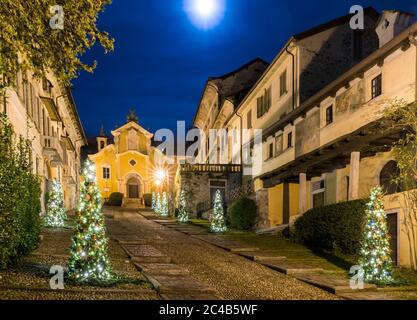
(20, 193)
(182, 208)
(336, 228)
(217, 219)
(243, 214)
(404, 117)
(27, 42)
(88, 257)
(56, 214)
(375, 254)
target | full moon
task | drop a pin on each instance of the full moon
(205, 8)
(205, 14)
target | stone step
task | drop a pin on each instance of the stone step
(240, 248)
(271, 231)
(260, 256)
(145, 254)
(178, 284)
(374, 296)
(148, 213)
(129, 239)
(192, 231)
(189, 297)
(333, 283)
(290, 267)
(165, 222)
(231, 245)
(149, 259)
(161, 269)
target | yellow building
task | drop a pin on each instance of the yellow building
(130, 165)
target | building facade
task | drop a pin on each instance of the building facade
(319, 106)
(219, 100)
(271, 92)
(131, 164)
(44, 112)
(341, 148)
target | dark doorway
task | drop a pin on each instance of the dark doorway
(389, 172)
(392, 221)
(133, 189)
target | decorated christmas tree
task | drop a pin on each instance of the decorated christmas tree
(182, 208)
(55, 210)
(153, 201)
(88, 260)
(158, 204)
(375, 255)
(217, 221)
(164, 205)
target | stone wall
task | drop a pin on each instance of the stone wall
(263, 209)
(326, 55)
(197, 188)
(307, 134)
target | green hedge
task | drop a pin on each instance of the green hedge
(20, 193)
(243, 214)
(334, 227)
(116, 199)
(147, 197)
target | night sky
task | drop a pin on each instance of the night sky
(162, 59)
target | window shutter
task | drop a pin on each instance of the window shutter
(259, 107)
(269, 98)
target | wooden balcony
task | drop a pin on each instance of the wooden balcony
(70, 176)
(53, 150)
(215, 168)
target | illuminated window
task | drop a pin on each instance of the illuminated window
(377, 86)
(329, 115)
(289, 140)
(283, 84)
(106, 173)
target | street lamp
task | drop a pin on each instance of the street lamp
(160, 175)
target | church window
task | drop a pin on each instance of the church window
(106, 173)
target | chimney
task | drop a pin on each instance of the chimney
(391, 23)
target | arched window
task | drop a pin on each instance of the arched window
(388, 173)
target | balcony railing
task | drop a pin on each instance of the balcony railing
(52, 148)
(218, 168)
(70, 174)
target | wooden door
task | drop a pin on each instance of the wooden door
(392, 221)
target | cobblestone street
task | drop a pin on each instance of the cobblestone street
(229, 275)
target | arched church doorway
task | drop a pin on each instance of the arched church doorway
(133, 188)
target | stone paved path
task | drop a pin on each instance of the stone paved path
(305, 270)
(217, 272)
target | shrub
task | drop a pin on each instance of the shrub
(20, 206)
(148, 199)
(243, 214)
(334, 227)
(116, 199)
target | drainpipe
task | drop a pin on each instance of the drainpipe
(413, 41)
(293, 76)
(241, 151)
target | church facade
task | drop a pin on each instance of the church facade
(131, 164)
